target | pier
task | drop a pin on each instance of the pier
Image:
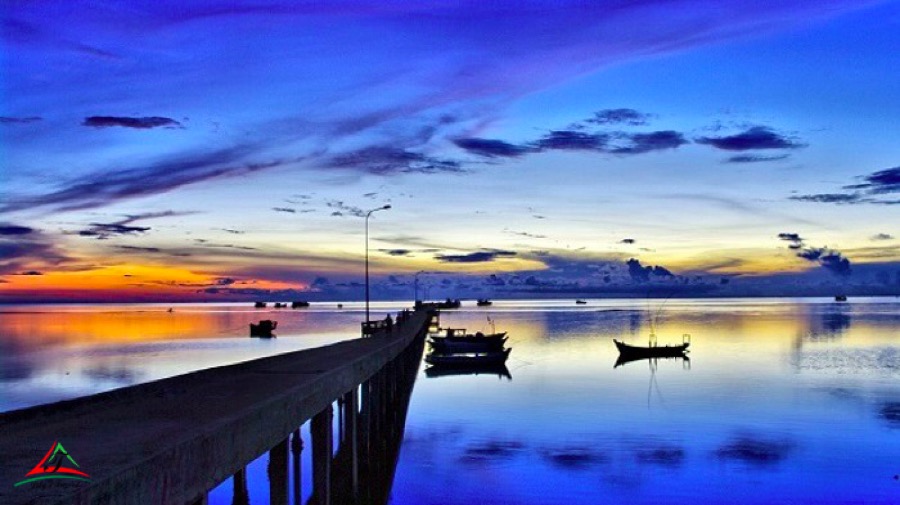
(171, 441)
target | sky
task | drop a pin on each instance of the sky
(165, 151)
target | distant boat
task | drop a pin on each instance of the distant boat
(264, 329)
(280, 305)
(260, 305)
(652, 351)
(484, 302)
(468, 359)
(340, 305)
(299, 304)
(840, 298)
(580, 302)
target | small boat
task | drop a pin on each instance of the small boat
(299, 304)
(264, 329)
(468, 359)
(280, 305)
(652, 351)
(840, 298)
(466, 345)
(340, 305)
(260, 305)
(580, 302)
(450, 370)
(460, 335)
(484, 302)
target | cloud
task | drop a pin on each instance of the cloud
(382, 160)
(640, 273)
(881, 236)
(839, 198)
(884, 181)
(492, 148)
(11, 229)
(629, 117)
(105, 187)
(757, 137)
(524, 234)
(572, 141)
(755, 158)
(140, 123)
(639, 143)
(831, 260)
(342, 209)
(627, 241)
(397, 252)
(102, 231)
(285, 209)
(475, 257)
(139, 249)
(19, 120)
(796, 241)
(876, 184)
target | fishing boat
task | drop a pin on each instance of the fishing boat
(299, 304)
(840, 298)
(467, 344)
(280, 305)
(260, 305)
(264, 329)
(468, 359)
(580, 302)
(484, 302)
(651, 351)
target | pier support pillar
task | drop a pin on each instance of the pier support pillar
(323, 445)
(278, 474)
(296, 450)
(240, 496)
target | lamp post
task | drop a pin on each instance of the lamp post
(369, 213)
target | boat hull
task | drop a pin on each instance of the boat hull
(466, 345)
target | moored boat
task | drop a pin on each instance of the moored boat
(484, 302)
(260, 305)
(299, 304)
(264, 329)
(651, 351)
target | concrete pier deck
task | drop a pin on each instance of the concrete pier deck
(169, 441)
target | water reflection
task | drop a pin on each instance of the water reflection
(499, 370)
(622, 359)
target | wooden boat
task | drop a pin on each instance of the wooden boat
(652, 351)
(299, 304)
(450, 370)
(468, 359)
(460, 335)
(467, 344)
(484, 302)
(264, 329)
(260, 305)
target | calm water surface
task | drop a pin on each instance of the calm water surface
(782, 401)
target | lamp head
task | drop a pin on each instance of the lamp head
(386, 207)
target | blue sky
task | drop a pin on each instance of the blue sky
(180, 149)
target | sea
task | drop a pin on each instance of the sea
(778, 401)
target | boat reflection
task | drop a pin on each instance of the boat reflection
(623, 359)
(498, 369)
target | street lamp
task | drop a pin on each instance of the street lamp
(369, 213)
